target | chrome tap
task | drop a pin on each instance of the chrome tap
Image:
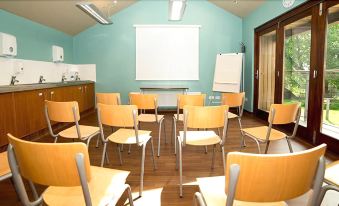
(63, 78)
(41, 79)
(77, 77)
(13, 80)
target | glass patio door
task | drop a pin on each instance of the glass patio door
(330, 103)
(296, 64)
(265, 73)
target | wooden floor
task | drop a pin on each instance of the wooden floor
(161, 186)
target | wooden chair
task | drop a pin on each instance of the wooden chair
(182, 100)
(66, 169)
(5, 171)
(279, 114)
(199, 117)
(108, 98)
(234, 100)
(148, 102)
(68, 112)
(124, 116)
(331, 179)
(266, 180)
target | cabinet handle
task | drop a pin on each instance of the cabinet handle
(52, 92)
(79, 88)
(40, 94)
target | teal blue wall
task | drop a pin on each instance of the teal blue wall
(34, 40)
(112, 48)
(266, 12)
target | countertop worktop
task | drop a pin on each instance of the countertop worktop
(27, 87)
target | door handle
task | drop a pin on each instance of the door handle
(257, 74)
(315, 74)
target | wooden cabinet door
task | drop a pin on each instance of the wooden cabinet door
(76, 93)
(88, 96)
(29, 111)
(56, 94)
(7, 117)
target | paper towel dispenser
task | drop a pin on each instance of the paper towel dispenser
(58, 53)
(8, 45)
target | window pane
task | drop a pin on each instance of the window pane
(266, 70)
(330, 125)
(297, 48)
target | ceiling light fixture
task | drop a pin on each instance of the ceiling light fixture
(176, 9)
(94, 12)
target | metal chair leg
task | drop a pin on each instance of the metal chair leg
(175, 135)
(129, 149)
(103, 154)
(35, 193)
(119, 153)
(267, 145)
(165, 131)
(129, 191)
(223, 159)
(97, 144)
(213, 156)
(258, 144)
(153, 158)
(243, 139)
(180, 168)
(160, 125)
(205, 149)
(289, 145)
(177, 156)
(142, 169)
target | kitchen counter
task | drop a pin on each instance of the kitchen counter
(27, 87)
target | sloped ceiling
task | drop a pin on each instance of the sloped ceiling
(64, 16)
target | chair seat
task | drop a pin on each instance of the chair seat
(106, 187)
(231, 115)
(332, 173)
(4, 166)
(200, 138)
(127, 136)
(180, 118)
(213, 191)
(260, 133)
(85, 131)
(149, 118)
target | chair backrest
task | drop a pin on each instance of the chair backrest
(117, 115)
(233, 99)
(205, 117)
(62, 111)
(51, 164)
(274, 177)
(190, 99)
(284, 113)
(108, 98)
(143, 101)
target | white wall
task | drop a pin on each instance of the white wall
(32, 70)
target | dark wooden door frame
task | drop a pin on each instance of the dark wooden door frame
(319, 22)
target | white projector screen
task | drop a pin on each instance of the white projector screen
(167, 52)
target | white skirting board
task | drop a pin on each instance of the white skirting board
(29, 71)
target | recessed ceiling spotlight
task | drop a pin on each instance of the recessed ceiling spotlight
(235, 1)
(115, 2)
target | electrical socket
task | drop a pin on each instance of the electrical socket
(217, 97)
(210, 97)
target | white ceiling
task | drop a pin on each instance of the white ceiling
(64, 16)
(239, 8)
